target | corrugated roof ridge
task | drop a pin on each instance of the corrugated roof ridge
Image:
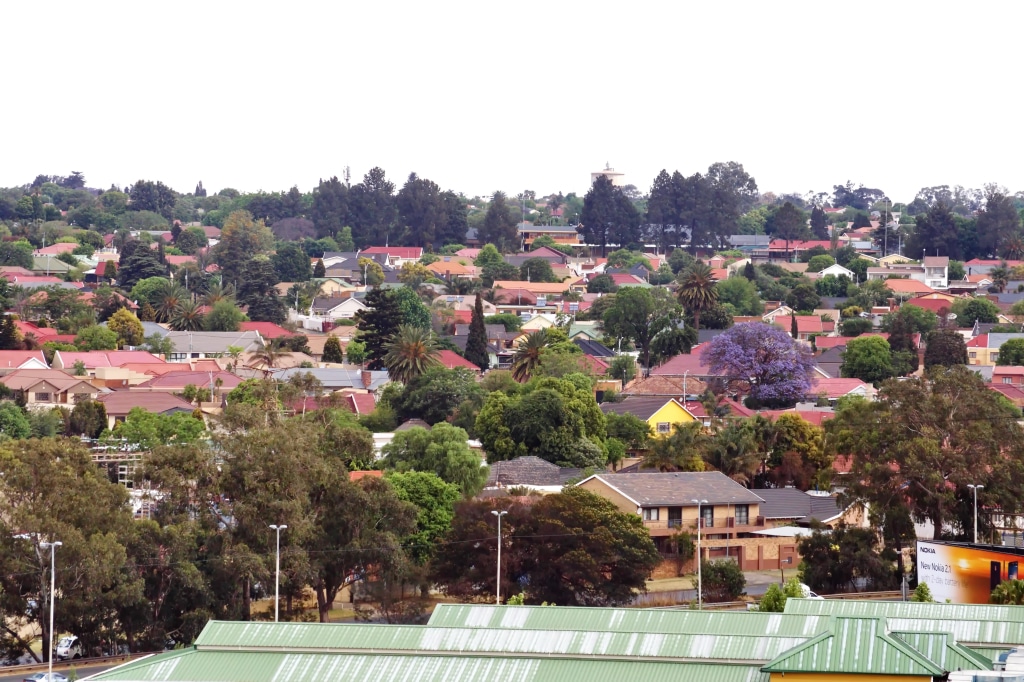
(807, 658)
(949, 642)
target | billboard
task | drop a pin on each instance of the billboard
(963, 573)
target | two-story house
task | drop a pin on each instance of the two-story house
(44, 389)
(932, 271)
(729, 519)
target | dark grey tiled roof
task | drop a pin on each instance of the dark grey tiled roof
(830, 361)
(529, 471)
(594, 348)
(680, 489)
(790, 503)
(643, 407)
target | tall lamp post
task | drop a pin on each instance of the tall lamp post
(700, 558)
(52, 546)
(277, 569)
(497, 590)
(975, 489)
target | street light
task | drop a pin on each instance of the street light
(277, 572)
(497, 591)
(700, 581)
(975, 489)
(52, 546)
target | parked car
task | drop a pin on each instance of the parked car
(69, 647)
(46, 677)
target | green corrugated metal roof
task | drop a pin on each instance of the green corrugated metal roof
(941, 648)
(987, 653)
(222, 666)
(906, 609)
(855, 645)
(974, 632)
(627, 620)
(428, 639)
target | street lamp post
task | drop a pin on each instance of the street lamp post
(497, 590)
(975, 489)
(277, 569)
(700, 577)
(52, 546)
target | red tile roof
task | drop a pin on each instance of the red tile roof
(359, 475)
(932, 304)
(451, 360)
(107, 358)
(798, 244)
(16, 358)
(805, 324)
(816, 417)
(979, 341)
(404, 252)
(120, 403)
(685, 364)
(835, 387)
(56, 249)
(268, 330)
(179, 380)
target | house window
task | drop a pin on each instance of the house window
(742, 514)
(663, 427)
(994, 357)
(973, 354)
(651, 513)
(707, 516)
(1007, 380)
(42, 397)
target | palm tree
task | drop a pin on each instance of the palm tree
(527, 355)
(267, 355)
(410, 352)
(186, 317)
(1000, 276)
(697, 290)
(734, 453)
(217, 292)
(166, 300)
(682, 451)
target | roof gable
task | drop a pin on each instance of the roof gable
(678, 489)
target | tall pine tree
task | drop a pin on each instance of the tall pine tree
(332, 350)
(476, 343)
(378, 324)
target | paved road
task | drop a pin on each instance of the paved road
(82, 671)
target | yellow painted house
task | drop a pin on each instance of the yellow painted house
(661, 412)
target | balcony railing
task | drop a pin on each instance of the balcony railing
(706, 525)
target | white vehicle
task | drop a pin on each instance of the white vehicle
(69, 648)
(806, 593)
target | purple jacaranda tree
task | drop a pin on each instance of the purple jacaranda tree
(777, 368)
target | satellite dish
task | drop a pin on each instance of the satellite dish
(951, 316)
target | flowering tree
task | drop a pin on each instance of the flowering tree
(777, 368)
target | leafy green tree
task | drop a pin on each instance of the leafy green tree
(622, 367)
(628, 429)
(89, 418)
(356, 352)
(602, 284)
(291, 263)
(1011, 353)
(999, 232)
(225, 316)
(95, 337)
(127, 327)
(411, 308)
(721, 581)
(697, 291)
(1008, 592)
(867, 359)
(332, 350)
(790, 224)
(10, 338)
(855, 326)
(573, 548)
(476, 343)
(837, 560)
(945, 347)
(819, 263)
(489, 255)
(969, 311)
(435, 500)
(936, 232)
(537, 270)
(330, 207)
(146, 195)
(16, 253)
(241, 239)
(803, 297)
(13, 422)
(373, 213)
(52, 490)
(922, 593)
(149, 430)
(608, 216)
(256, 290)
(435, 394)
(741, 294)
(443, 450)
(319, 271)
(499, 226)
(639, 315)
(140, 264)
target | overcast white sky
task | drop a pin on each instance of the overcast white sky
(481, 96)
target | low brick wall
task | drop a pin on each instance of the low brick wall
(752, 554)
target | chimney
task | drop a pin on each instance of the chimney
(367, 378)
